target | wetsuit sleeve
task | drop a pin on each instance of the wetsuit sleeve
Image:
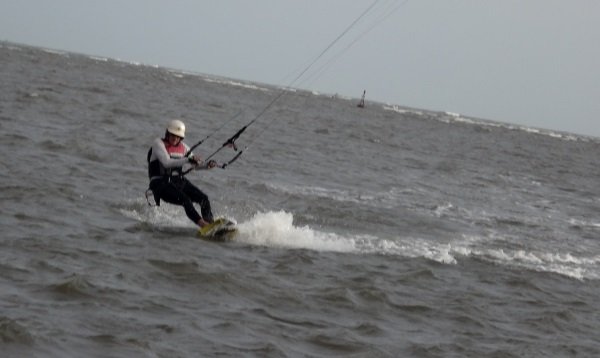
(160, 152)
(187, 149)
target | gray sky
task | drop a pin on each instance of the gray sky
(529, 62)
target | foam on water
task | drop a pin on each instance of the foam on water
(564, 263)
(276, 229)
(236, 84)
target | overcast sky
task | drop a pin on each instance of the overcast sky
(529, 62)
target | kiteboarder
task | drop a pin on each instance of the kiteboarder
(166, 159)
(361, 104)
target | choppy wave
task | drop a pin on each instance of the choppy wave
(452, 117)
(355, 226)
(236, 84)
(277, 229)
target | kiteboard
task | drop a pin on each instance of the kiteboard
(222, 229)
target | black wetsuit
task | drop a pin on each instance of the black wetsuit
(165, 165)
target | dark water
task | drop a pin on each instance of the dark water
(376, 232)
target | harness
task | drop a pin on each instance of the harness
(156, 171)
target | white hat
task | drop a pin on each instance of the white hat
(176, 127)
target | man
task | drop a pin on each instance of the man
(166, 159)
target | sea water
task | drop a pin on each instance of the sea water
(383, 231)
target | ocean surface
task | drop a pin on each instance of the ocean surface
(385, 231)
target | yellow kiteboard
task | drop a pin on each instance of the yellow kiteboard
(221, 229)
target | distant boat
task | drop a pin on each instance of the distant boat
(361, 104)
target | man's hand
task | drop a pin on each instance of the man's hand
(195, 160)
